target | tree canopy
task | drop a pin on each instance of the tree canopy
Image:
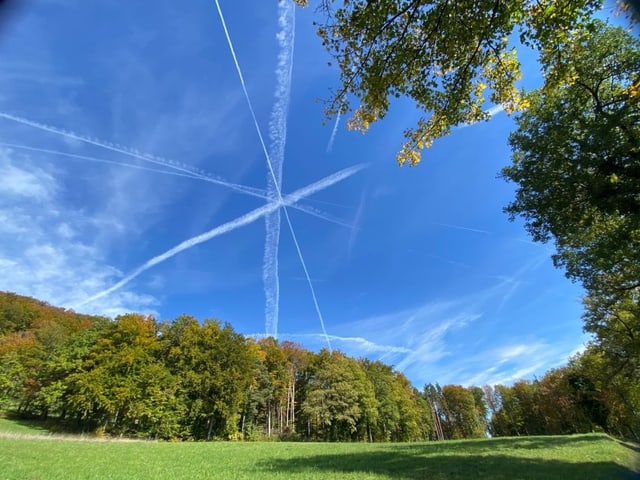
(450, 58)
(576, 160)
(576, 163)
(191, 380)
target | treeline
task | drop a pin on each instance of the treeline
(190, 380)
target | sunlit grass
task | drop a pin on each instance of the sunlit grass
(28, 453)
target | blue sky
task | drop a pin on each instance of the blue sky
(125, 132)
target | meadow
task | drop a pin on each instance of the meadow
(29, 451)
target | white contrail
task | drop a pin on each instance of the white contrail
(135, 154)
(461, 227)
(273, 174)
(100, 160)
(492, 112)
(228, 227)
(278, 138)
(356, 225)
(332, 138)
(254, 192)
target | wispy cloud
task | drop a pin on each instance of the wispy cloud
(171, 167)
(453, 341)
(227, 227)
(18, 182)
(421, 333)
(361, 344)
(43, 248)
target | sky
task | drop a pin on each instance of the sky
(134, 178)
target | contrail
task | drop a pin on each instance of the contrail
(278, 138)
(492, 112)
(356, 225)
(254, 192)
(460, 227)
(273, 174)
(228, 227)
(100, 160)
(333, 133)
(133, 153)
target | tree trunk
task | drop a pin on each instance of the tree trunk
(269, 419)
(210, 421)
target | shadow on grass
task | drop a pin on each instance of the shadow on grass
(630, 445)
(452, 461)
(40, 426)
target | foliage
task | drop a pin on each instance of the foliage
(576, 164)
(584, 396)
(576, 161)
(187, 380)
(447, 57)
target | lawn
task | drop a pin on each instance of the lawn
(28, 452)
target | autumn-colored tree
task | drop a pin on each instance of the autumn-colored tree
(214, 365)
(447, 57)
(461, 419)
(338, 397)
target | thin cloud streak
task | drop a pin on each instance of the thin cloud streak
(491, 112)
(278, 137)
(251, 191)
(461, 227)
(334, 131)
(228, 227)
(131, 153)
(98, 160)
(273, 175)
(357, 221)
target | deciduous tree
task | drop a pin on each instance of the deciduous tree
(447, 57)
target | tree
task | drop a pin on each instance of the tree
(339, 397)
(576, 163)
(443, 55)
(122, 386)
(214, 366)
(613, 400)
(461, 415)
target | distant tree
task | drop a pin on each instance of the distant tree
(507, 419)
(122, 387)
(214, 366)
(529, 398)
(461, 416)
(612, 400)
(338, 398)
(275, 372)
(382, 378)
(416, 420)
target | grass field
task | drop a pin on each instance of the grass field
(29, 452)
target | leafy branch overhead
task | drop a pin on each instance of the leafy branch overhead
(449, 57)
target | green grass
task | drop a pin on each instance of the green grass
(28, 453)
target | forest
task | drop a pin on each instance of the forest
(184, 379)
